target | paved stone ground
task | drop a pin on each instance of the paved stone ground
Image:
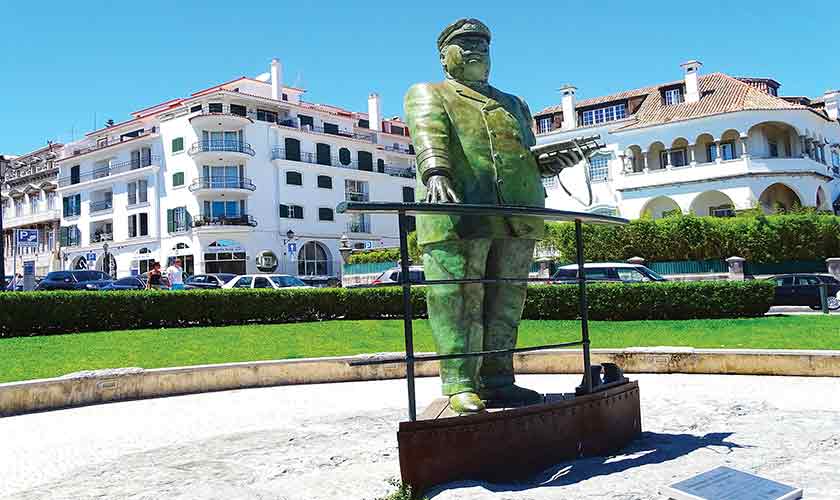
(337, 441)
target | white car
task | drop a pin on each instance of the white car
(271, 281)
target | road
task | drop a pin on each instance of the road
(337, 441)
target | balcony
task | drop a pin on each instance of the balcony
(221, 117)
(221, 150)
(333, 161)
(101, 206)
(348, 134)
(110, 170)
(109, 142)
(221, 184)
(725, 169)
(42, 215)
(235, 220)
(101, 237)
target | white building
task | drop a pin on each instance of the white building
(239, 177)
(706, 144)
(30, 202)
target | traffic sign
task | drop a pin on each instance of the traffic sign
(27, 238)
(368, 245)
(90, 257)
(291, 248)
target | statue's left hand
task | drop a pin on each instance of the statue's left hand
(439, 190)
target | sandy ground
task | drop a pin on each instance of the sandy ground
(338, 441)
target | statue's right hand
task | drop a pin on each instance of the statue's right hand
(439, 190)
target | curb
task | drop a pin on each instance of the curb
(122, 384)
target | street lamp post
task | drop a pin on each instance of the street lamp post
(4, 166)
(345, 250)
(290, 236)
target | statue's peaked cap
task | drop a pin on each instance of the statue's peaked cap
(466, 26)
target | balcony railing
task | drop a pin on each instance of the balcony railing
(399, 149)
(100, 237)
(224, 109)
(101, 206)
(113, 168)
(108, 142)
(222, 183)
(231, 220)
(221, 146)
(334, 161)
(292, 123)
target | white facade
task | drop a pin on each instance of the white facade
(699, 159)
(220, 179)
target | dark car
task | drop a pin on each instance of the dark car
(208, 281)
(617, 272)
(130, 283)
(804, 290)
(74, 280)
(321, 281)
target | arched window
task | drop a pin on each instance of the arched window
(322, 154)
(292, 149)
(344, 156)
(312, 260)
(365, 161)
(294, 178)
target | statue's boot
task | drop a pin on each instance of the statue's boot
(466, 402)
(510, 394)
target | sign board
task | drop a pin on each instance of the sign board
(29, 268)
(27, 238)
(724, 483)
(368, 245)
(91, 258)
(291, 248)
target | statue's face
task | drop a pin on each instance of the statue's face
(467, 58)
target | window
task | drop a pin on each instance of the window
(326, 214)
(359, 223)
(677, 158)
(262, 282)
(292, 149)
(141, 158)
(601, 115)
(722, 211)
(19, 207)
(215, 107)
(291, 211)
(138, 225)
(330, 128)
(34, 202)
(312, 260)
(224, 208)
(356, 190)
(177, 220)
(177, 144)
(51, 196)
(397, 130)
(380, 166)
(673, 96)
(599, 167)
(265, 115)
(774, 149)
(177, 179)
(627, 274)
(306, 121)
(408, 194)
(294, 178)
(196, 109)
(138, 192)
(285, 97)
(365, 161)
(238, 109)
(364, 123)
(344, 156)
(322, 154)
(244, 282)
(69, 236)
(325, 181)
(545, 124)
(72, 205)
(835, 159)
(727, 150)
(75, 174)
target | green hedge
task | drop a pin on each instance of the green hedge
(40, 313)
(759, 239)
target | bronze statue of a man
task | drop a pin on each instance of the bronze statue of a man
(472, 143)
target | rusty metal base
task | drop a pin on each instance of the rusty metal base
(507, 444)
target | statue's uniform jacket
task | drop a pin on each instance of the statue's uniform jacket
(481, 142)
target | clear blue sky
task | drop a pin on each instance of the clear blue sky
(63, 62)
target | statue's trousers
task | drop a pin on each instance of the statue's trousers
(475, 317)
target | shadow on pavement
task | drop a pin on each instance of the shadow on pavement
(650, 448)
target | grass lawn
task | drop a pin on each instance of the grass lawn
(49, 356)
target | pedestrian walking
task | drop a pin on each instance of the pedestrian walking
(154, 281)
(176, 275)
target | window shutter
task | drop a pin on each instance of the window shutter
(284, 211)
(65, 202)
(297, 212)
(144, 224)
(170, 220)
(62, 235)
(188, 218)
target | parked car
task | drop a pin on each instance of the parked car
(74, 280)
(394, 275)
(275, 281)
(129, 283)
(321, 281)
(607, 271)
(804, 290)
(208, 281)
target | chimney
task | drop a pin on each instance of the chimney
(832, 104)
(567, 100)
(692, 88)
(375, 112)
(276, 80)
